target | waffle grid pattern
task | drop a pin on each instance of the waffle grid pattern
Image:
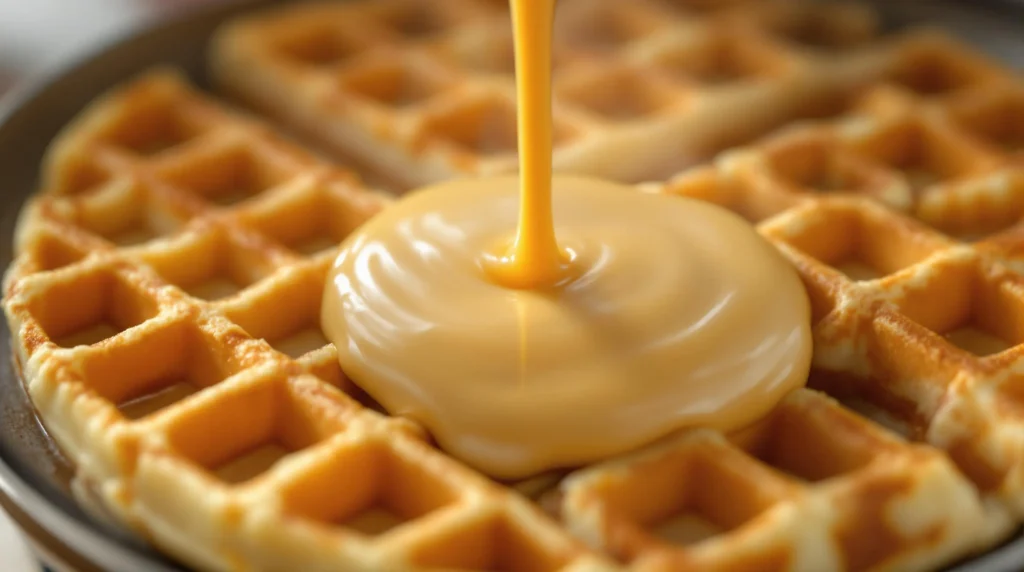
(427, 91)
(159, 369)
(917, 302)
(166, 295)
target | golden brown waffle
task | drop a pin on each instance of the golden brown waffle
(809, 487)
(424, 90)
(164, 306)
(917, 323)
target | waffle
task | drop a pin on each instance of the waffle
(425, 90)
(902, 221)
(165, 304)
(164, 307)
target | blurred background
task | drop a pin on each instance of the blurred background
(37, 34)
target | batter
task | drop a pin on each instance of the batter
(530, 326)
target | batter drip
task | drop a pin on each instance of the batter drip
(534, 259)
(520, 352)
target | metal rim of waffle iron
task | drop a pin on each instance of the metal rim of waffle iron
(30, 480)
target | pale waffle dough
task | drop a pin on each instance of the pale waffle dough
(424, 90)
(178, 250)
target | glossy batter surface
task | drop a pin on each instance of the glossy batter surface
(675, 313)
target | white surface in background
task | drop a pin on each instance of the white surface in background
(36, 33)
(14, 554)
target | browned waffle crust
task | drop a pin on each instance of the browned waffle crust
(164, 302)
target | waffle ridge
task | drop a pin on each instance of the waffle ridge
(439, 102)
(164, 299)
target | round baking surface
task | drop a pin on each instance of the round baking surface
(34, 481)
